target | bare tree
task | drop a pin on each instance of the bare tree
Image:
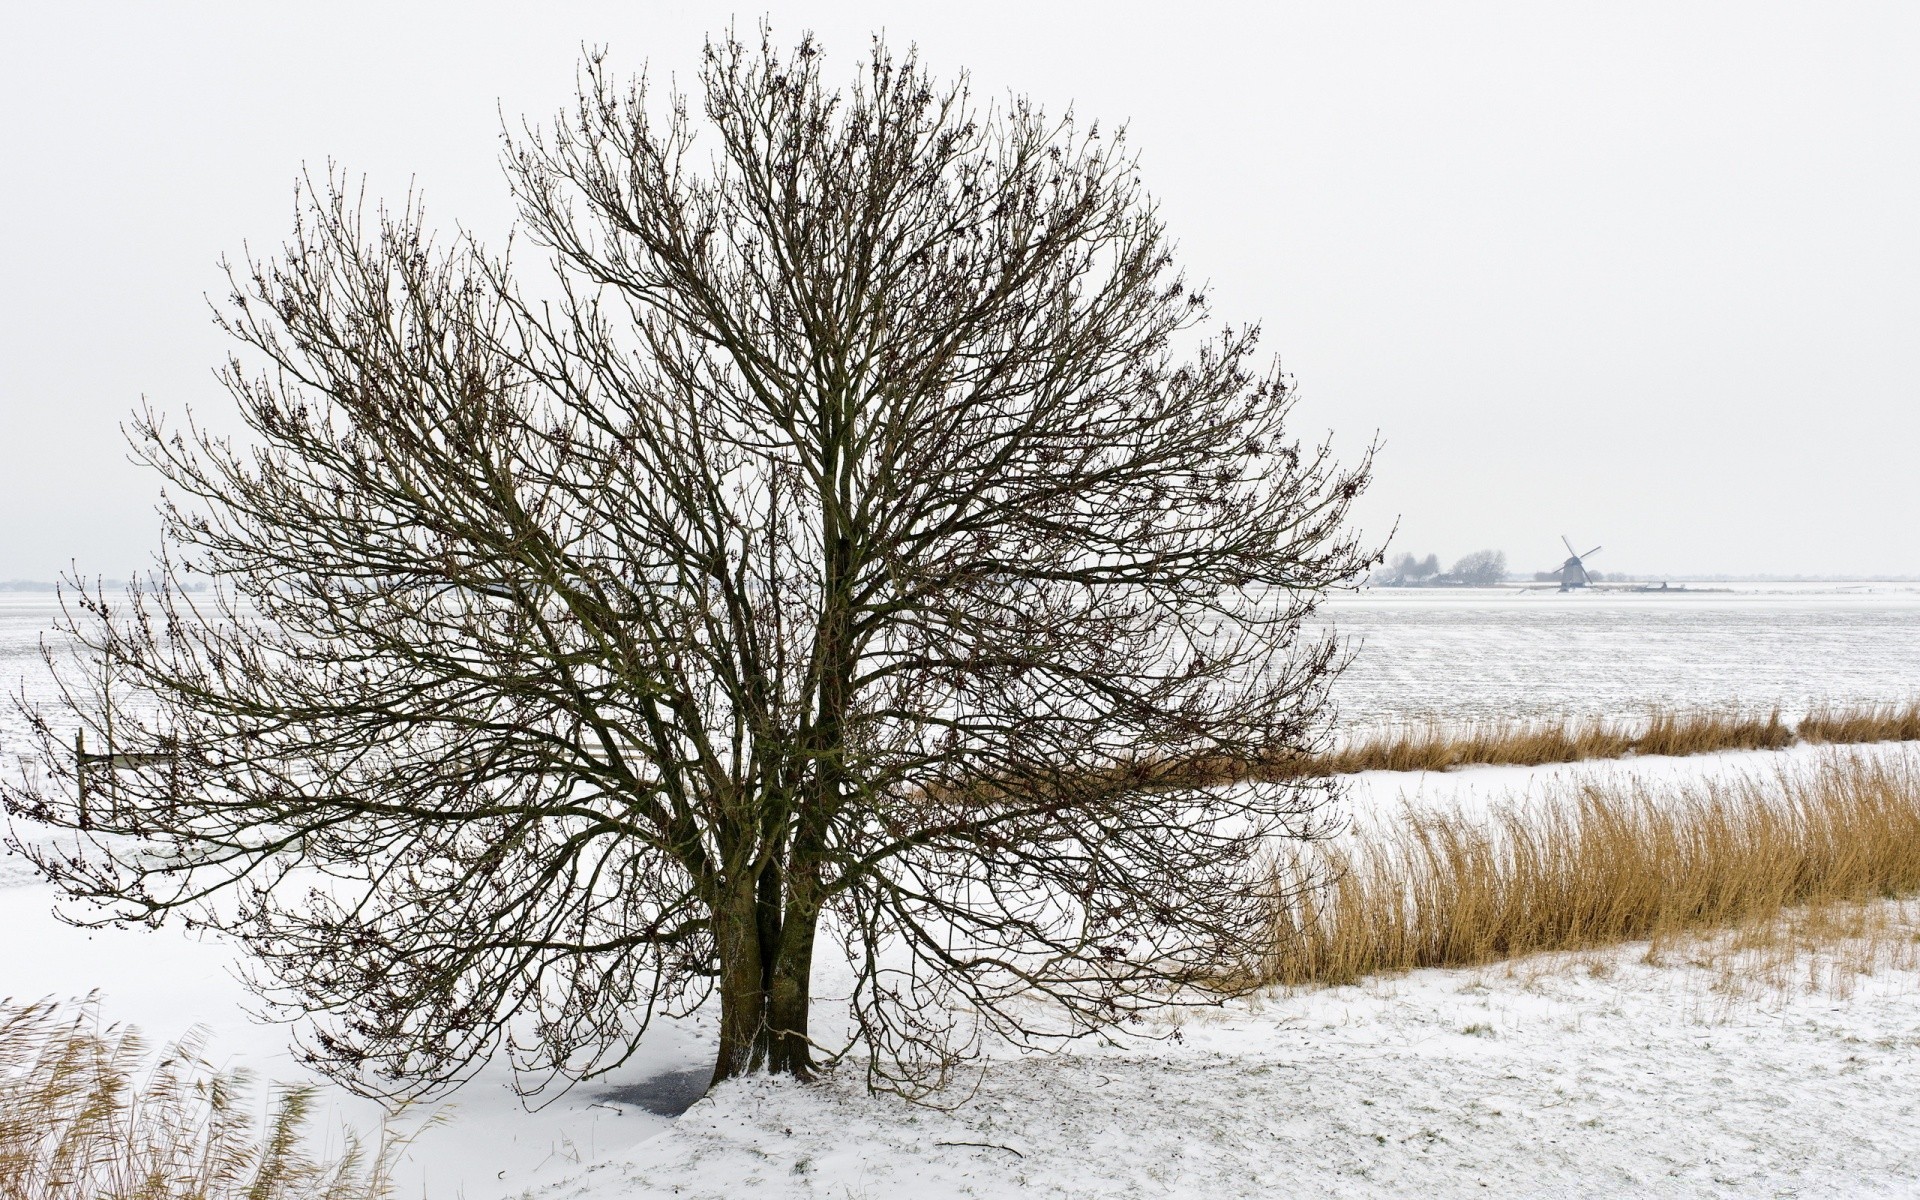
(1482, 568)
(844, 541)
(1408, 568)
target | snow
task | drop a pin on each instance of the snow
(1462, 654)
(1563, 1075)
(169, 981)
(1379, 795)
(1560, 1075)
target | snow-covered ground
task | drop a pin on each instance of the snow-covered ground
(1464, 653)
(169, 981)
(1562, 1076)
(1559, 1075)
(1573, 1076)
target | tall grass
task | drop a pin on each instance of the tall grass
(1532, 743)
(1871, 723)
(1443, 746)
(83, 1117)
(1595, 864)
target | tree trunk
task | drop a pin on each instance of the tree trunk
(766, 969)
(743, 990)
(789, 988)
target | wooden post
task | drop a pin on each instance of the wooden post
(80, 771)
(106, 698)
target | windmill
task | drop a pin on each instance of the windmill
(1573, 572)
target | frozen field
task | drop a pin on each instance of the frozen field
(1459, 653)
(1558, 1078)
(23, 618)
(1471, 653)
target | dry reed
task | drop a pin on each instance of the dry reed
(1596, 864)
(1871, 723)
(1823, 947)
(1444, 746)
(1533, 743)
(75, 1125)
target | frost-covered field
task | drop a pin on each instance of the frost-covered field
(1468, 653)
(1561, 1076)
(1464, 653)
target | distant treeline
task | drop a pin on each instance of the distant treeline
(1598, 577)
(1482, 568)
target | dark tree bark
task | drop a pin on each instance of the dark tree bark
(856, 536)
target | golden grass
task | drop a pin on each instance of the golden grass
(1444, 746)
(1441, 746)
(1681, 734)
(75, 1124)
(1871, 723)
(1596, 864)
(1532, 743)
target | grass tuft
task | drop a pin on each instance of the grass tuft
(82, 1117)
(1871, 723)
(1680, 734)
(1596, 864)
(1444, 747)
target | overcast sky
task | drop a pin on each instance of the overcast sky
(1645, 274)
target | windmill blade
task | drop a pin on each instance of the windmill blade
(1591, 553)
(1569, 546)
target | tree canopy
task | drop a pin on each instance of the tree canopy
(848, 540)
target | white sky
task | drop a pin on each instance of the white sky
(1644, 273)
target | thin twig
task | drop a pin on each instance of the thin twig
(985, 1146)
